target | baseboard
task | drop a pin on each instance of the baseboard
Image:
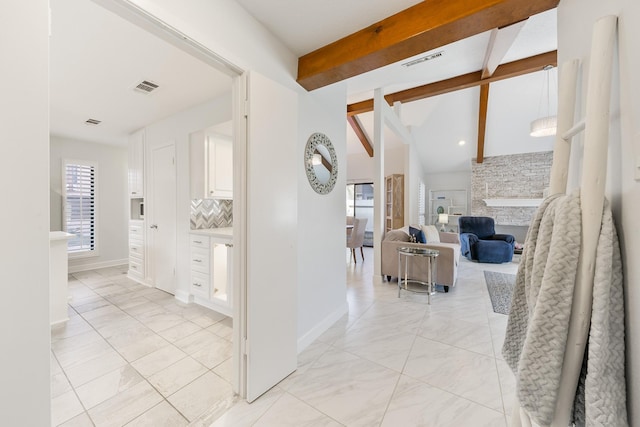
(95, 265)
(136, 278)
(59, 322)
(183, 296)
(305, 340)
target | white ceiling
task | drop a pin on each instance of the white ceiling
(97, 57)
(306, 25)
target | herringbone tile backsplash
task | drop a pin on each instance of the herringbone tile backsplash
(211, 213)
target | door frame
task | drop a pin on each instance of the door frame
(140, 17)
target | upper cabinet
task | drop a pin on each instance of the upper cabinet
(136, 164)
(211, 165)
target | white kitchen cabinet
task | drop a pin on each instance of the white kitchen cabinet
(136, 164)
(211, 267)
(211, 165)
(136, 251)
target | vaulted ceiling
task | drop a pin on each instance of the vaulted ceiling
(97, 58)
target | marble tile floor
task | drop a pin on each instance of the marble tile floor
(140, 358)
(396, 361)
(133, 355)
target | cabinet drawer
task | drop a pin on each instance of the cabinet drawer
(198, 241)
(200, 284)
(200, 260)
(136, 266)
(136, 249)
(135, 231)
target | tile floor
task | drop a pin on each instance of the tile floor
(141, 358)
(396, 362)
(133, 355)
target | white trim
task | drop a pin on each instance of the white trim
(59, 322)
(513, 202)
(95, 265)
(321, 327)
(183, 296)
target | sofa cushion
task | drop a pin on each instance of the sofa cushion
(417, 234)
(396, 236)
(431, 233)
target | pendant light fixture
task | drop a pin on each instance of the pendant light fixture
(546, 125)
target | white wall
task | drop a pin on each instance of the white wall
(177, 128)
(413, 176)
(575, 23)
(224, 27)
(24, 178)
(360, 167)
(321, 236)
(512, 105)
(113, 210)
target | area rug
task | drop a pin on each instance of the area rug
(500, 287)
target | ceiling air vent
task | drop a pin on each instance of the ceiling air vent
(93, 122)
(424, 59)
(146, 86)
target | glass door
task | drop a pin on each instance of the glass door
(360, 205)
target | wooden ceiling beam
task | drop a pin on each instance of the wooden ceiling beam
(425, 26)
(499, 43)
(482, 121)
(504, 71)
(364, 140)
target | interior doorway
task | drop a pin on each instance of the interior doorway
(360, 205)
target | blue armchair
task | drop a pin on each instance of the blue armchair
(479, 241)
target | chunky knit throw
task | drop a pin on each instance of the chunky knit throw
(538, 325)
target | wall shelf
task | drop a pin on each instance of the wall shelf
(513, 202)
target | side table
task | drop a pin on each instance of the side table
(407, 252)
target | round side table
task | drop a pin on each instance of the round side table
(429, 255)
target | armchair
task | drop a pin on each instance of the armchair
(479, 241)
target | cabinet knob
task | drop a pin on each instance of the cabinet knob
(154, 226)
(198, 242)
(229, 245)
(197, 284)
(197, 260)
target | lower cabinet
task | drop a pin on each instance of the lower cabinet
(211, 268)
(136, 250)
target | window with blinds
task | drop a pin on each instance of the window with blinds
(79, 206)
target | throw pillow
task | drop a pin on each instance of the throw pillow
(431, 233)
(417, 234)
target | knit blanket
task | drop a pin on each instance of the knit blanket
(538, 324)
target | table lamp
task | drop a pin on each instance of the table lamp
(443, 219)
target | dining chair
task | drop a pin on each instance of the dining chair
(356, 238)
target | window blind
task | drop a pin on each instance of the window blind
(80, 206)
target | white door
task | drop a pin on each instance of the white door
(271, 233)
(162, 222)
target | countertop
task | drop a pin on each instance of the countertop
(59, 235)
(226, 232)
